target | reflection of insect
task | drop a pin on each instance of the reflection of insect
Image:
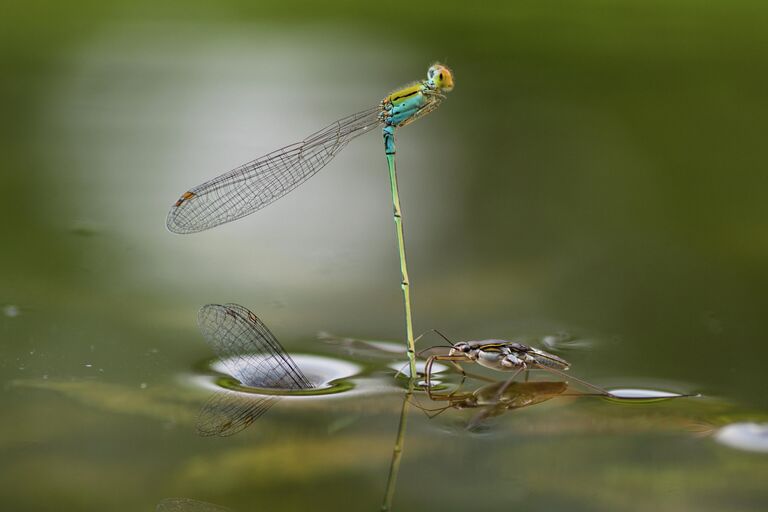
(515, 396)
(251, 354)
(498, 398)
(505, 356)
(255, 184)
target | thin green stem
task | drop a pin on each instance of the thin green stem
(398, 217)
(397, 452)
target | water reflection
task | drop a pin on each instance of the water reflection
(496, 398)
(227, 412)
(747, 436)
(366, 349)
(491, 400)
(252, 355)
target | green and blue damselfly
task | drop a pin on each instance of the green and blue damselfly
(256, 184)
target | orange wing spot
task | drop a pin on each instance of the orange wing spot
(185, 196)
(252, 317)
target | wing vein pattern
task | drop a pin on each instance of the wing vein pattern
(226, 413)
(256, 184)
(248, 349)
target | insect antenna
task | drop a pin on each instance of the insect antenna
(420, 352)
(446, 338)
(450, 343)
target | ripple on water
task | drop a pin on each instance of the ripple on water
(405, 369)
(11, 311)
(643, 395)
(747, 436)
(328, 375)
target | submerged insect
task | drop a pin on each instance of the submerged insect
(252, 355)
(256, 184)
(505, 356)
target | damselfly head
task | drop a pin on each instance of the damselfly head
(440, 77)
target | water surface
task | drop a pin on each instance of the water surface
(594, 186)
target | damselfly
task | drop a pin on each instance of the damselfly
(251, 354)
(256, 184)
(259, 182)
(505, 356)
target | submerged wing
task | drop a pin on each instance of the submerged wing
(250, 352)
(227, 413)
(254, 185)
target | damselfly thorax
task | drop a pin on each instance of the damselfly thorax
(406, 105)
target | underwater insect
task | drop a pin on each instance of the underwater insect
(505, 356)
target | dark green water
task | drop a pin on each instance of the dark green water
(599, 170)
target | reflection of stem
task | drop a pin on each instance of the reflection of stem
(397, 451)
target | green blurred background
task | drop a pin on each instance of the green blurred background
(598, 170)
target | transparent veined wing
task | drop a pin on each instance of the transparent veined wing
(226, 413)
(250, 352)
(256, 184)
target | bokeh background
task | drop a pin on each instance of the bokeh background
(599, 170)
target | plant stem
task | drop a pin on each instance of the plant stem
(389, 145)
